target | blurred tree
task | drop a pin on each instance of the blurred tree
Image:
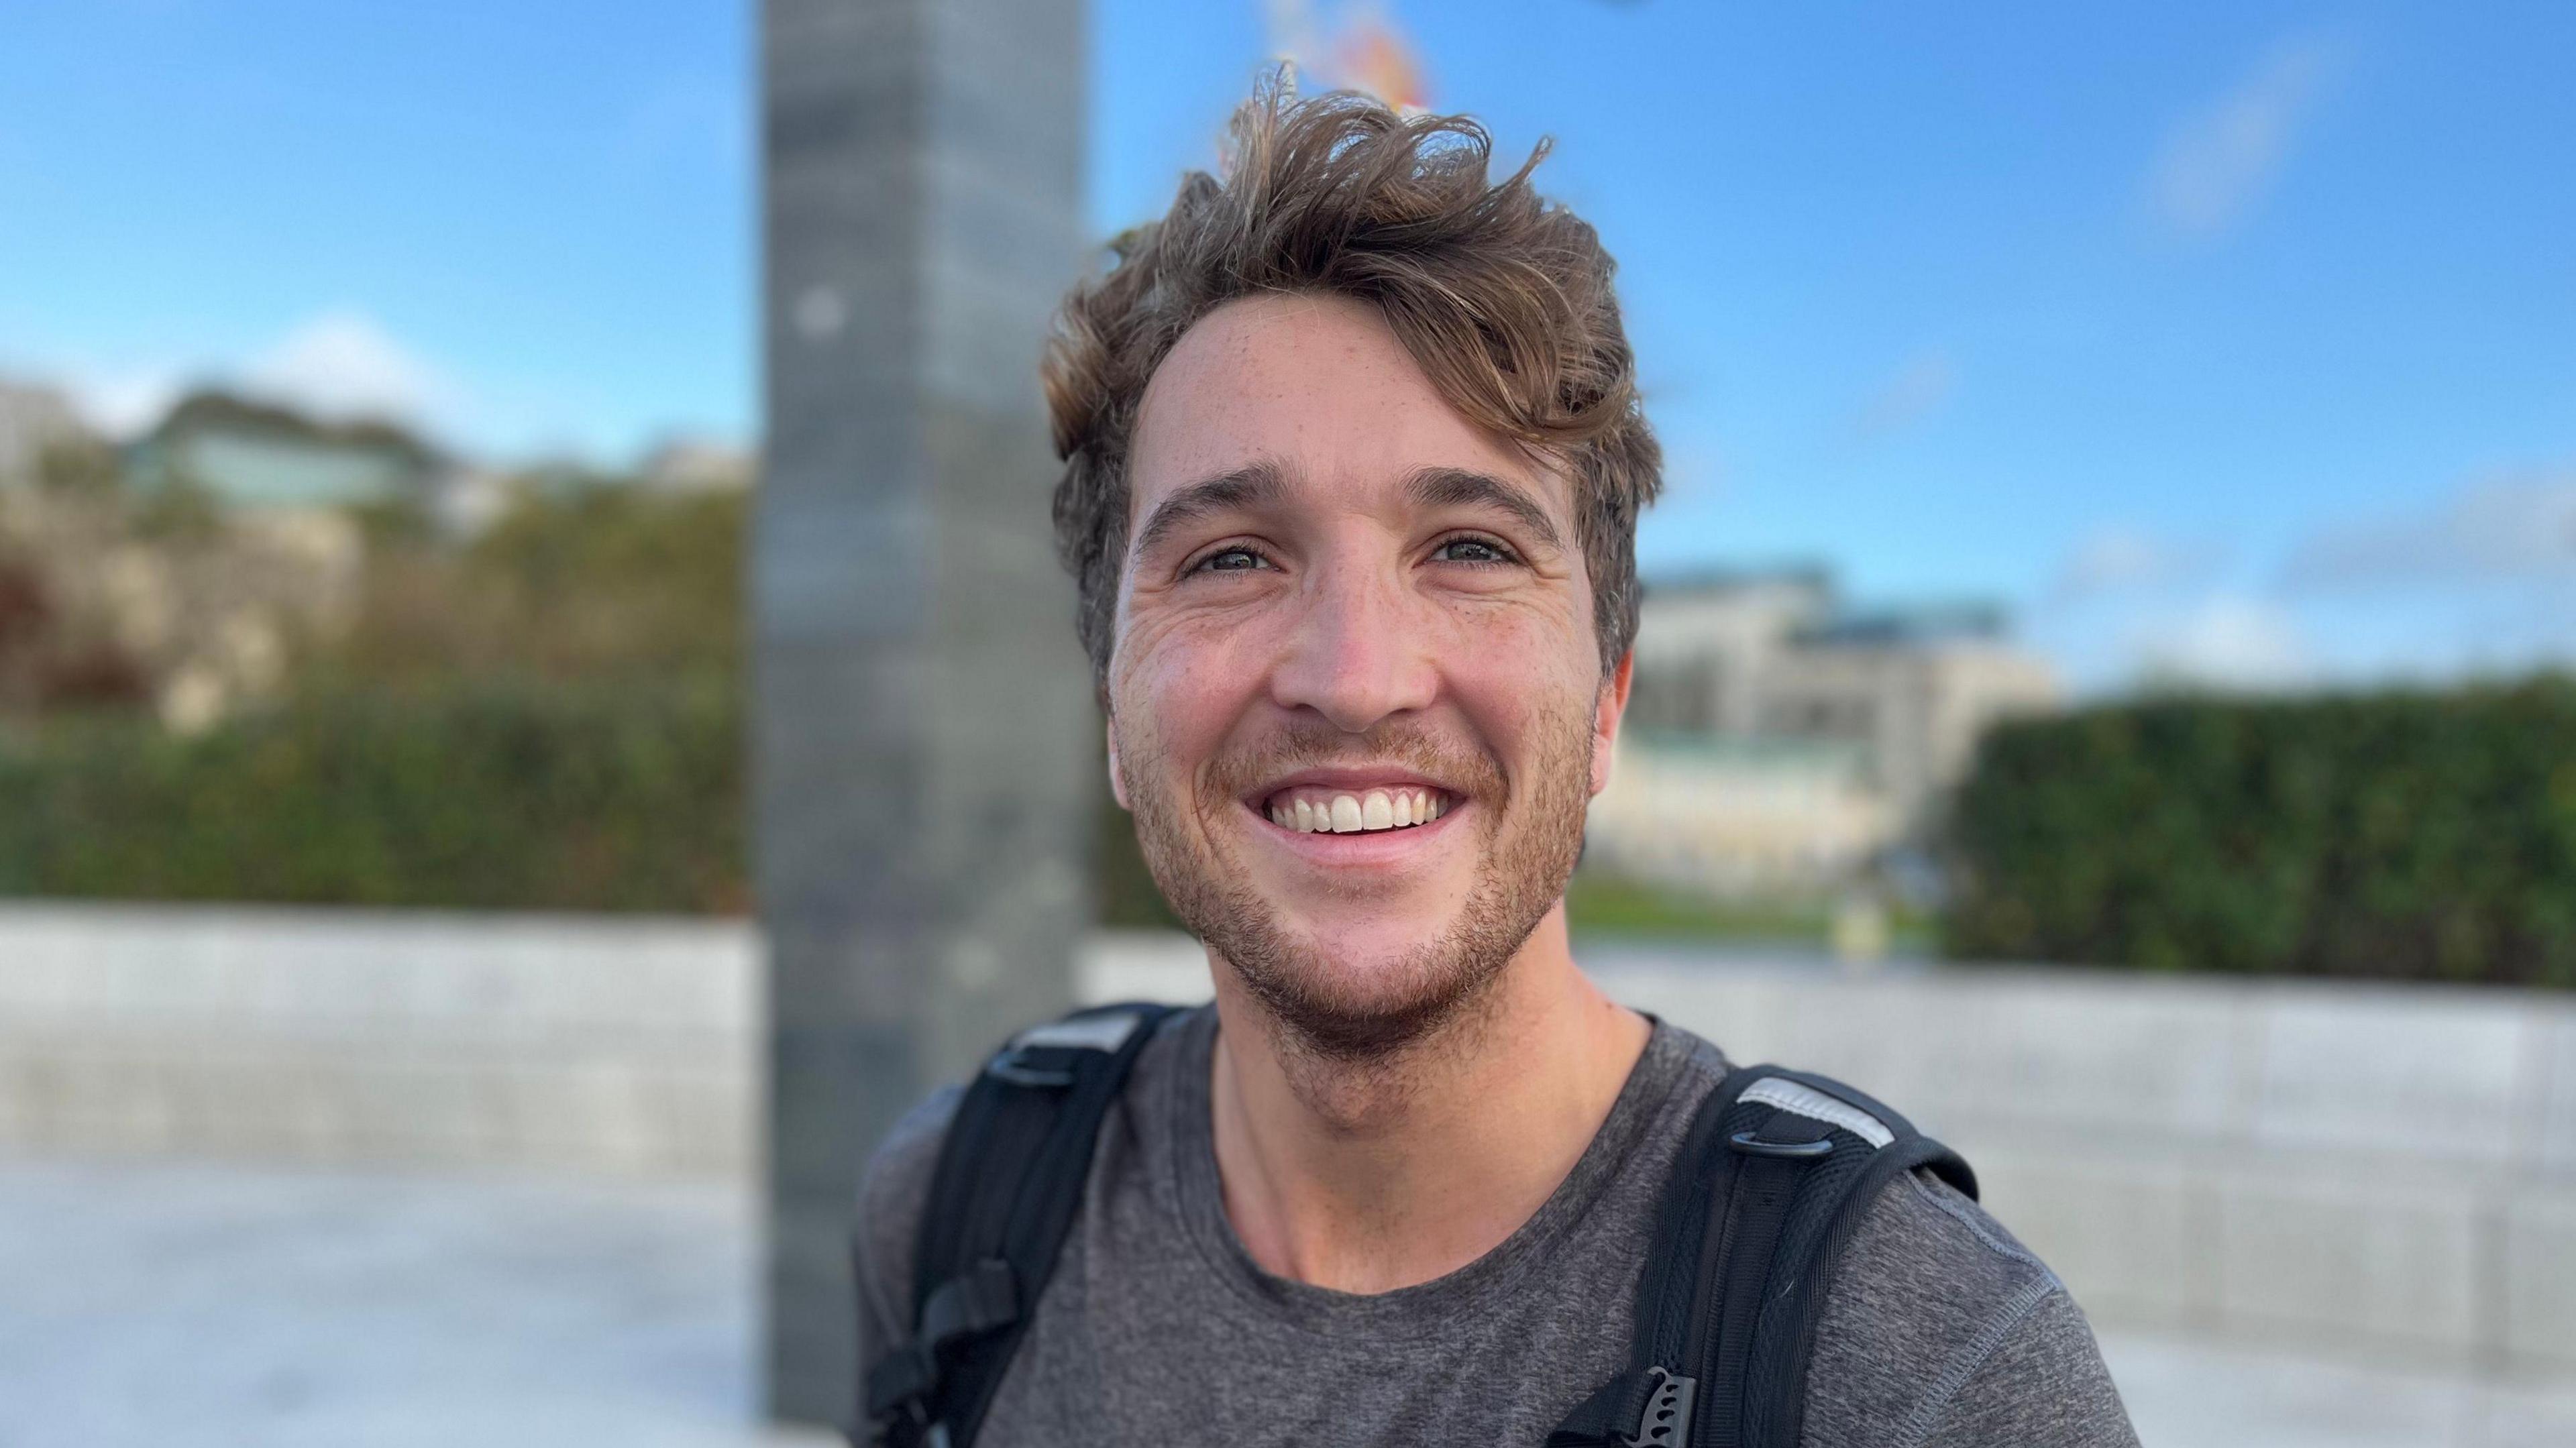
(57, 653)
(589, 581)
(544, 715)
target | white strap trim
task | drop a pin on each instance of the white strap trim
(1093, 1033)
(1809, 1102)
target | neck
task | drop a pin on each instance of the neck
(1366, 1176)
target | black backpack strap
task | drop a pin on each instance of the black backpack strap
(1774, 1176)
(1002, 1199)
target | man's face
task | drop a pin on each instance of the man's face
(1356, 699)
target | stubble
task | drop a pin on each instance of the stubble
(1530, 834)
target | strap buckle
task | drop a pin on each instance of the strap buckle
(1666, 1420)
(1013, 1065)
(1753, 1145)
(1022, 1064)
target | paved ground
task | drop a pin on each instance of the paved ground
(161, 1305)
(183, 1306)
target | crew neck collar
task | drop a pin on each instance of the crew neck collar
(1198, 1197)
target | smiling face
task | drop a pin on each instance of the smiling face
(1356, 698)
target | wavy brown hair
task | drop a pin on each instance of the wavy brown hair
(1502, 298)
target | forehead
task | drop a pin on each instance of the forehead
(1319, 384)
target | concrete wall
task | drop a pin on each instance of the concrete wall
(590, 1044)
(2332, 1165)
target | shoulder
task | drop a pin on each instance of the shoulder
(892, 1192)
(894, 1189)
(1940, 1329)
(1943, 1329)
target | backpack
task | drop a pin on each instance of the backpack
(1775, 1174)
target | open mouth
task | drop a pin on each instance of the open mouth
(1316, 811)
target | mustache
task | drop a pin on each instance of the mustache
(1415, 748)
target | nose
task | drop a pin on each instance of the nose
(1355, 653)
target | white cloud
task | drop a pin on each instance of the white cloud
(2226, 641)
(2509, 528)
(339, 363)
(1919, 388)
(2220, 161)
(2129, 559)
(343, 363)
(2478, 582)
(123, 402)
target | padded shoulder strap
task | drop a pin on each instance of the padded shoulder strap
(1777, 1170)
(1002, 1198)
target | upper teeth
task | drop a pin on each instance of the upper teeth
(1344, 814)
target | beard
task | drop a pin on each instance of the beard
(1529, 836)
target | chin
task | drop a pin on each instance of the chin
(1369, 1001)
(1371, 978)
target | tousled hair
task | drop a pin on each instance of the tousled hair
(1501, 297)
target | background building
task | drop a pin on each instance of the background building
(253, 455)
(696, 465)
(33, 419)
(1777, 741)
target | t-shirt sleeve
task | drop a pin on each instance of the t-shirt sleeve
(1942, 1329)
(891, 1195)
(2042, 1385)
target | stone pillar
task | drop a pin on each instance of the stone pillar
(923, 744)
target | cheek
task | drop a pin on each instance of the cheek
(1511, 646)
(1523, 694)
(1191, 681)
(1537, 630)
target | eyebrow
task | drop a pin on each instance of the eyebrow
(1253, 485)
(1458, 487)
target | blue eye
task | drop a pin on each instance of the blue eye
(1231, 560)
(1471, 550)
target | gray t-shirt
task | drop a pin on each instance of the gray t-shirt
(1159, 1328)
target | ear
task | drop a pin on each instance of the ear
(1117, 781)
(1607, 708)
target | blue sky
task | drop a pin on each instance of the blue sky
(2233, 339)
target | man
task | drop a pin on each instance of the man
(1354, 460)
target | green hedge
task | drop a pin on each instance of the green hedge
(2399, 835)
(492, 795)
